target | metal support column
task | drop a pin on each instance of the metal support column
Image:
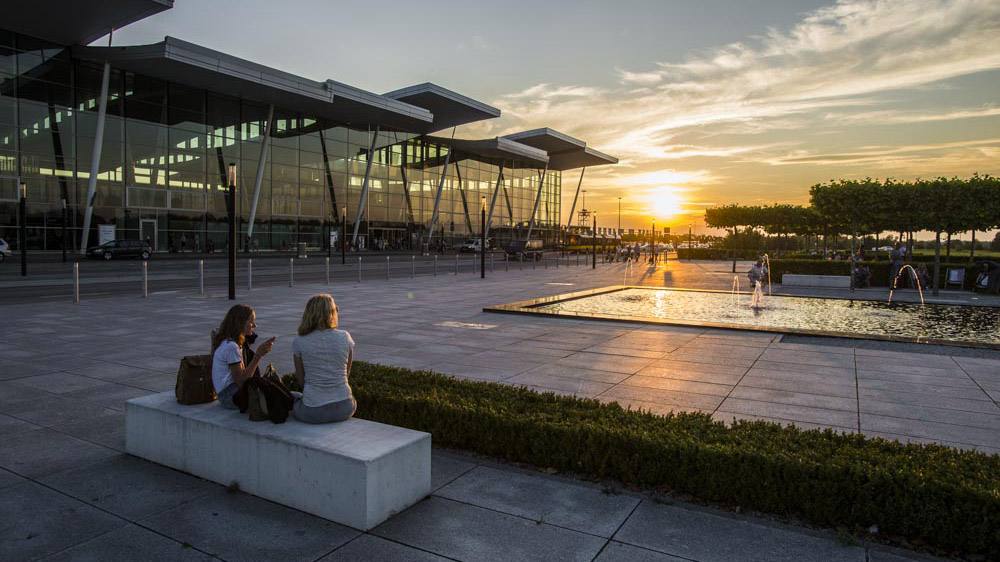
(259, 178)
(465, 200)
(437, 199)
(95, 157)
(493, 202)
(538, 199)
(364, 186)
(573, 208)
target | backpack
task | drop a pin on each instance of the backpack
(194, 380)
(265, 398)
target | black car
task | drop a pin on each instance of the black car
(121, 249)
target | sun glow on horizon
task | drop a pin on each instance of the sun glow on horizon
(666, 203)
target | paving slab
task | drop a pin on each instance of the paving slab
(129, 487)
(847, 404)
(621, 552)
(684, 400)
(932, 430)
(368, 548)
(446, 467)
(8, 479)
(791, 412)
(38, 522)
(128, 544)
(45, 451)
(466, 532)
(107, 430)
(237, 526)
(60, 383)
(109, 395)
(708, 537)
(533, 496)
(566, 384)
(54, 410)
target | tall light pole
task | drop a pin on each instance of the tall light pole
(594, 240)
(619, 216)
(329, 246)
(64, 230)
(482, 243)
(231, 257)
(652, 248)
(22, 211)
(343, 243)
(690, 235)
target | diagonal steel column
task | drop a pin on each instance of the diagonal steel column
(437, 199)
(259, 179)
(329, 178)
(538, 199)
(572, 209)
(493, 202)
(465, 201)
(364, 187)
(406, 189)
(95, 157)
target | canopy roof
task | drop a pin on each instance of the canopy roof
(565, 152)
(193, 65)
(79, 22)
(450, 108)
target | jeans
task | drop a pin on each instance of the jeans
(332, 412)
(226, 396)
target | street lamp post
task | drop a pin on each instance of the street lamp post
(329, 246)
(64, 230)
(482, 243)
(619, 216)
(343, 243)
(22, 211)
(231, 257)
(653, 246)
(594, 239)
(690, 231)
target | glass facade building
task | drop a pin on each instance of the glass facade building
(162, 172)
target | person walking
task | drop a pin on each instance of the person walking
(896, 257)
(184, 243)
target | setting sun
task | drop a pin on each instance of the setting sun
(666, 202)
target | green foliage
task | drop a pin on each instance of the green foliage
(880, 270)
(715, 254)
(943, 497)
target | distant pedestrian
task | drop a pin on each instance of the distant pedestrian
(896, 257)
(184, 243)
(197, 243)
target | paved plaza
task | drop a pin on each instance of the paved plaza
(69, 493)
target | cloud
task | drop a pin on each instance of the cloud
(842, 66)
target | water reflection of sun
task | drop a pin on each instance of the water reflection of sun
(666, 202)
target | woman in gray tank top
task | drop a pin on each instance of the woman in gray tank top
(323, 356)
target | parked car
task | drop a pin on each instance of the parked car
(121, 249)
(4, 250)
(472, 245)
(524, 250)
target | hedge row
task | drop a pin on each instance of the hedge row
(936, 495)
(715, 254)
(880, 270)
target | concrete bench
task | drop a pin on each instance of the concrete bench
(838, 281)
(357, 473)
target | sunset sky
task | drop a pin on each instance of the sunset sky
(705, 103)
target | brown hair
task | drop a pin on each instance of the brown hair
(232, 326)
(320, 314)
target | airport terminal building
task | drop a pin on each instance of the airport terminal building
(138, 140)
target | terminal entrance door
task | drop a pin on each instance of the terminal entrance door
(147, 230)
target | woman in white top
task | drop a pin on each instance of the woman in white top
(323, 356)
(229, 370)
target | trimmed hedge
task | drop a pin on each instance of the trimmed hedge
(879, 270)
(716, 254)
(933, 494)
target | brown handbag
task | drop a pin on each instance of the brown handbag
(194, 380)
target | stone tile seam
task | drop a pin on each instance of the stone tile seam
(116, 516)
(522, 517)
(612, 537)
(743, 376)
(979, 386)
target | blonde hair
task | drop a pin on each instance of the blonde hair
(320, 314)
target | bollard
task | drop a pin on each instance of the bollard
(145, 280)
(76, 282)
(456, 264)
(491, 262)
(475, 262)
(413, 266)
(291, 272)
(546, 262)
(520, 263)
(387, 268)
(534, 263)
(359, 269)
(328, 270)
(201, 277)
(249, 275)
(506, 262)
(435, 265)
(557, 261)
